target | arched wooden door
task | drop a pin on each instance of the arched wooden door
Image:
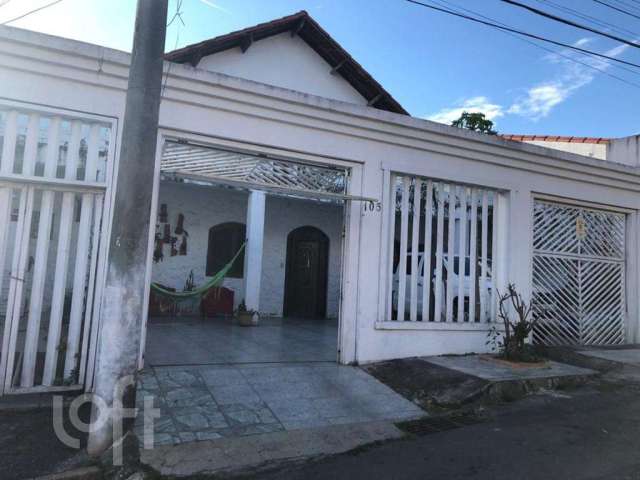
(305, 286)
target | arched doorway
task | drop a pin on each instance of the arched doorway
(305, 285)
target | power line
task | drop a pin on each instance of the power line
(31, 12)
(627, 5)
(178, 15)
(571, 23)
(617, 9)
(589, 18)
(520, 32)
(566, 57)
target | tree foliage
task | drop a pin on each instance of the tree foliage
(476, 122)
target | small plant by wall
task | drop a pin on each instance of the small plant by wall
(517, 321)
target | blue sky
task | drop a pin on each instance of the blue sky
(434, 65)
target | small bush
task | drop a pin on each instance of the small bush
(511, 343)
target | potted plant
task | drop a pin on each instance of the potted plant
(247, 318)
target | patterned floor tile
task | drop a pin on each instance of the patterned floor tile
(212, 402)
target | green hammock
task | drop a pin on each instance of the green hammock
(215, 281)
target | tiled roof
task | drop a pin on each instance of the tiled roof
(555, 138)
(302, 25)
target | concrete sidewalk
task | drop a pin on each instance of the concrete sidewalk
(629, 355)
(452, 381)
(250, 417)
(212, 402)
(491, 368)
(236, 418)
(248, 455)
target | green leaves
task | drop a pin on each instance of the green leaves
(476, 122)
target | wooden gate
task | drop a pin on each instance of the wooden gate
(53, 179)
(578, 275)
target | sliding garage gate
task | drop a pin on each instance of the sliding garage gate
(578, 275)
(53, 180)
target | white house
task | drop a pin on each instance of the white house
(277, 136)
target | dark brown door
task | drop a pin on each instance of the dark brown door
(305, 289)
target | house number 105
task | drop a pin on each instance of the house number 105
(372, 206)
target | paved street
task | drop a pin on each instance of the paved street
(591, 433)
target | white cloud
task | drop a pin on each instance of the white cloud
(471, 105)
(582, 42)
(540, 99)
(216, 6)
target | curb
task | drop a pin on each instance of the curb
(511, 390)
(233, 456)
(573, 357)
(84, 473)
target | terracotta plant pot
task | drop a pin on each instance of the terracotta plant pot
(248, 319)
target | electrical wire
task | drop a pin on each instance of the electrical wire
(177, 14)
(627, 5)
(549, 50)
(589, 18)
(564, 21)
(523, 33)
(31, 12)
(617, 9)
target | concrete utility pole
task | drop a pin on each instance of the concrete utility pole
(121, 317)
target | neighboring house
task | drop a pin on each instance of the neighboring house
(403, 229)
(624, 150)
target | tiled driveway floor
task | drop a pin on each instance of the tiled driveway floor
(208, 402)
(192, 341)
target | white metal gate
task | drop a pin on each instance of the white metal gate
(53, 178)
(578, 275)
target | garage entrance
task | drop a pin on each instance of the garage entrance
(578, 275)
(237, 231)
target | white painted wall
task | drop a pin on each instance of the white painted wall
(625, 150)
(594, 150)
(239, 114)
(287, 62)
(205, 207)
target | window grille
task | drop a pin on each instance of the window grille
(442, 248)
